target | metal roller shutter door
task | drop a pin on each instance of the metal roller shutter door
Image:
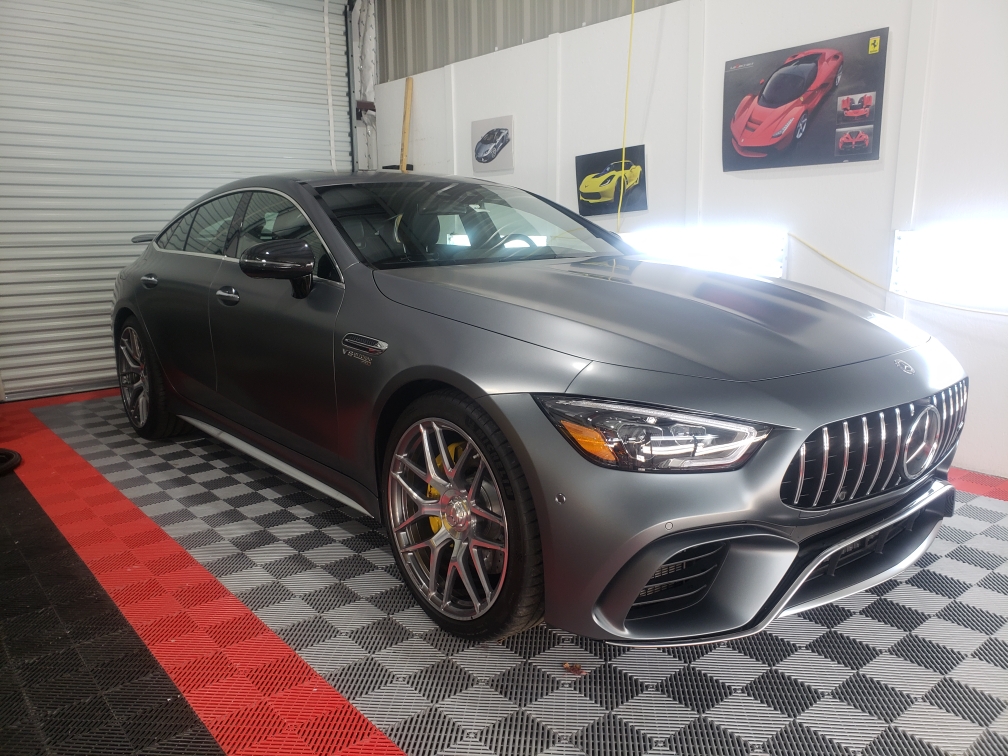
(114, 115)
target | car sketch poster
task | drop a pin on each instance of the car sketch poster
(599, 177)
(806, 105)
(493, 145)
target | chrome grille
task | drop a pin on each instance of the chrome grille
(853, 459)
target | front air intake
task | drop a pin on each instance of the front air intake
(682, 581)
(854, 459)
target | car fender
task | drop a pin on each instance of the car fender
(743, 105)
(473, 360)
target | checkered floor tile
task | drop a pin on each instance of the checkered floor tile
(917, 665)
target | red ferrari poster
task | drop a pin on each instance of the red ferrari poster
(807, 105)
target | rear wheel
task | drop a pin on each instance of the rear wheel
(141, 384)
(460, 519)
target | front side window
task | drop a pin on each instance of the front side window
(210, 226)
(451, 223)
(270, 217)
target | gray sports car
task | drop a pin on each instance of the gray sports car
(548, 424)
(490, 145)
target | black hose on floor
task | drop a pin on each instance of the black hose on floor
(9, 459)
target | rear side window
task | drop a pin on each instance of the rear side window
(270, 217)
(162, 240)
(177, 238)
(210, 227)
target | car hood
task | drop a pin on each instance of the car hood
(636, 313)
(594, 180)
(762, 121)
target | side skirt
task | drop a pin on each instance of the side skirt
(277, 464)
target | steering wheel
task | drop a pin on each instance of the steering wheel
(515, 237)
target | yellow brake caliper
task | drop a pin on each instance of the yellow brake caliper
(433, 493)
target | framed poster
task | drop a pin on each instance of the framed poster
(600, 176)
(493, 145)
(807, 105)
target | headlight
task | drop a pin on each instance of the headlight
(782, 129)
(646, 439)
(608, 180)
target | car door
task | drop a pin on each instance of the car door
(274, 352)
(174, 291)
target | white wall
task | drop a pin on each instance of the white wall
(963, 167)
(947, 61)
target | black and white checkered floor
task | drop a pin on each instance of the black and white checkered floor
(918, 665)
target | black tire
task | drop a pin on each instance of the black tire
(9, 459)
(155, 421)
(520, 602)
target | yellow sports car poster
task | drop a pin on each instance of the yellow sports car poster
(601, 176)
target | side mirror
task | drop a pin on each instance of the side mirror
(287, 259)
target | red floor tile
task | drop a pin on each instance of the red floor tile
(253, 692)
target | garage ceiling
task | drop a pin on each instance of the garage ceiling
(113, 116)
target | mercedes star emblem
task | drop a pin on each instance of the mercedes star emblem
(921, 442)
(906, 367)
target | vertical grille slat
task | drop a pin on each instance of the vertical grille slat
(846, 463)
(825, 465)
(881, 458)
(899, 439)
(801, 473)
(864, 456)
(837, 464)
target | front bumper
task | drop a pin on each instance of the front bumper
(606, 532)
(779, 144)
(605, 194)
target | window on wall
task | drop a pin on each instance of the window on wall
(960, 265)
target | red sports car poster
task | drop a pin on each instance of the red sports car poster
(807, 105)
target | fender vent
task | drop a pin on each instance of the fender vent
(859, 457)
(364, 343)
(682, 581)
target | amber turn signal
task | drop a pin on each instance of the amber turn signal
(590, 440)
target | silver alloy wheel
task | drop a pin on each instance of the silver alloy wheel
(134, 377)
(800, 128)
(839, 73)
(447, 519)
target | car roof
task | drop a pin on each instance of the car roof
(283, 181)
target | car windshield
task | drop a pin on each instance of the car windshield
(428, 223)
(614, 167)
(788, 83)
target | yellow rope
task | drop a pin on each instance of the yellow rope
(626, 104)
(868, 281)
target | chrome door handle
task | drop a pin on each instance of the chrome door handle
(149, 281)
(228, 295)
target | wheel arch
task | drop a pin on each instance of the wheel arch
(399, 394)
(120, 317)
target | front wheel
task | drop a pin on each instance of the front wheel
(839, 73)
(799, 131)
(460, 519)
